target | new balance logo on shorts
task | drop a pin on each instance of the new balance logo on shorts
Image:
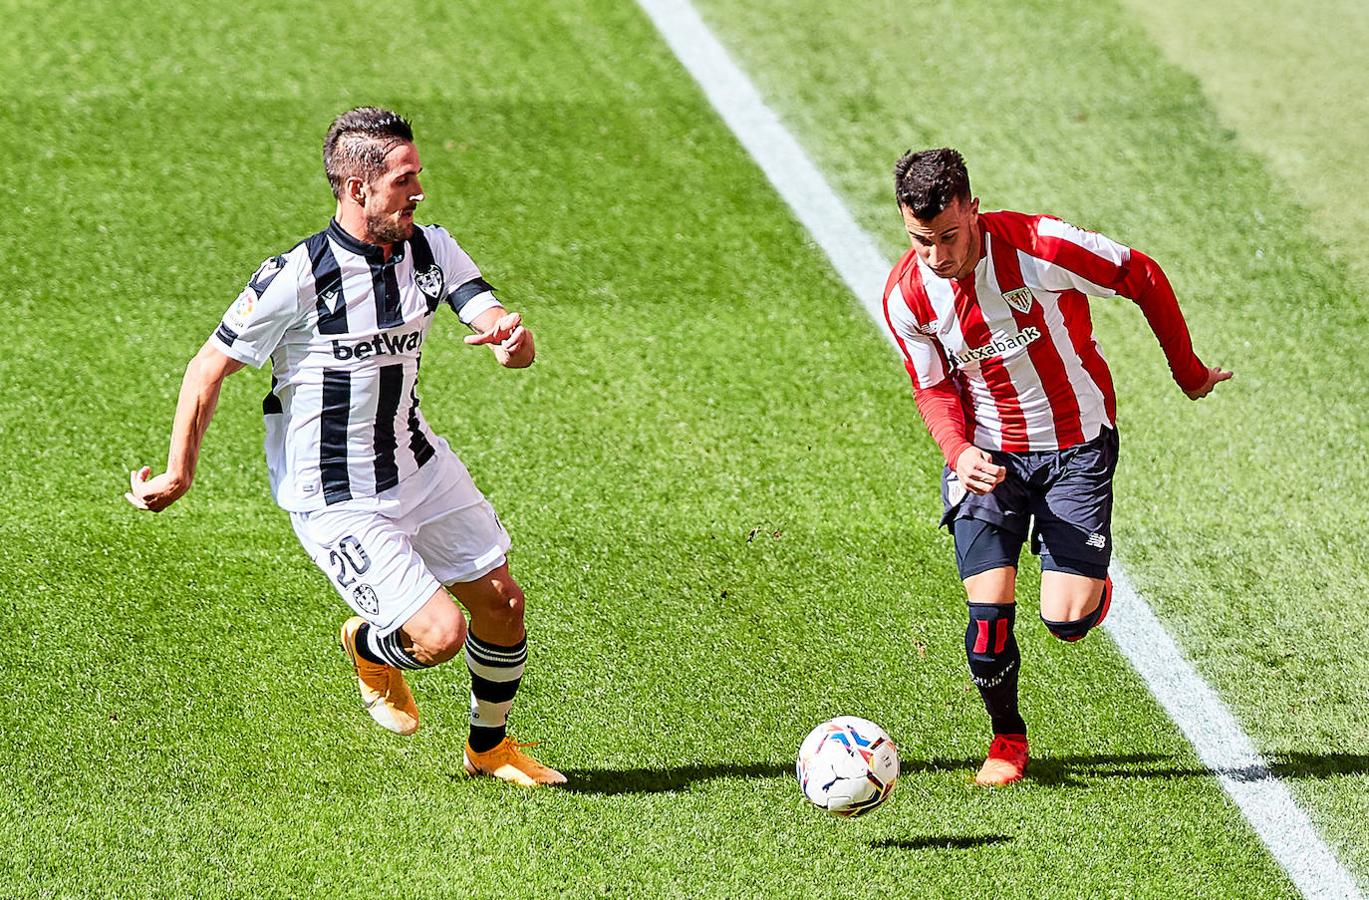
(1096, 541)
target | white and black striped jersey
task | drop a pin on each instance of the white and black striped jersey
(344, 330)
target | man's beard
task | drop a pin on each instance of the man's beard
(384, 230)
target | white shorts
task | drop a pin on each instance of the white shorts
(388, 558)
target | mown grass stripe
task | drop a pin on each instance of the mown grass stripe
(1203, 718)
(1223, 746)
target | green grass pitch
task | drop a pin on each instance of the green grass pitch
(721, 499)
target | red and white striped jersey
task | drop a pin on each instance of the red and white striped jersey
(1016, 338)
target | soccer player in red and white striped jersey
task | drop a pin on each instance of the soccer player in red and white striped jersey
(991, 313)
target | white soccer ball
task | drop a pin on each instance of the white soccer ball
(847, 766)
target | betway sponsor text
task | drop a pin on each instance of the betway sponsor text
(385, 342)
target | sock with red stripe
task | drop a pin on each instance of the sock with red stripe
(995, 662)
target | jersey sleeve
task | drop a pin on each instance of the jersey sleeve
(1067, 257)
(923, 355)
(924, 358)
(944, 414)
(468, 293)
(254, 325)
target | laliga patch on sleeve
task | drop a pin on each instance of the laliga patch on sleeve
(240, 313)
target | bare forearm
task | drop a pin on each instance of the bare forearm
(195, 407)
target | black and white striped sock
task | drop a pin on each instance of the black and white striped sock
(385, 650)
(495, 674)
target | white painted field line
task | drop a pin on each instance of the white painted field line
(1217, 737)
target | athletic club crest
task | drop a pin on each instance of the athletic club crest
(1020, 299)
(431, 281)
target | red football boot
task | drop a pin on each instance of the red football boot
(1007, 761)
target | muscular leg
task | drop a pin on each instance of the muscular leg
(436, 632)
(996, 586)
(496, 651)
(1066, 596)
(1073, 524)
(986, 557)
(432, 635)
(429, 637)
(1071, 604)
(496, 604)
(991, 647)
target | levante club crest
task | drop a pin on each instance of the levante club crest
(431, 281)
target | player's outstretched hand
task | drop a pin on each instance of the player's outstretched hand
(511, 342)
(978, 472)
(153, 494)
(1214, 375)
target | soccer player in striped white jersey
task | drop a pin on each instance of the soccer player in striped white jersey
(991, 313)
(380, 502)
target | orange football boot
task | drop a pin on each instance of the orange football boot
(384, 692)
(507, 762)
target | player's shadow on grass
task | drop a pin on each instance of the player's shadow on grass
(942, 842)
(1318, 765)
(1079, 769)
(655, 781)
(1057, 771)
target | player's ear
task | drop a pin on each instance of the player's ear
(355, 189)
(974, 206)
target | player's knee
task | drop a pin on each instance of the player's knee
(441, 640)
(1073, 629)
(507, 602)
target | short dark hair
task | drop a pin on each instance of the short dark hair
(358, 141)
(928, 181)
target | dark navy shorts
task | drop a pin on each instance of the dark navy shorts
(1060, 499)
